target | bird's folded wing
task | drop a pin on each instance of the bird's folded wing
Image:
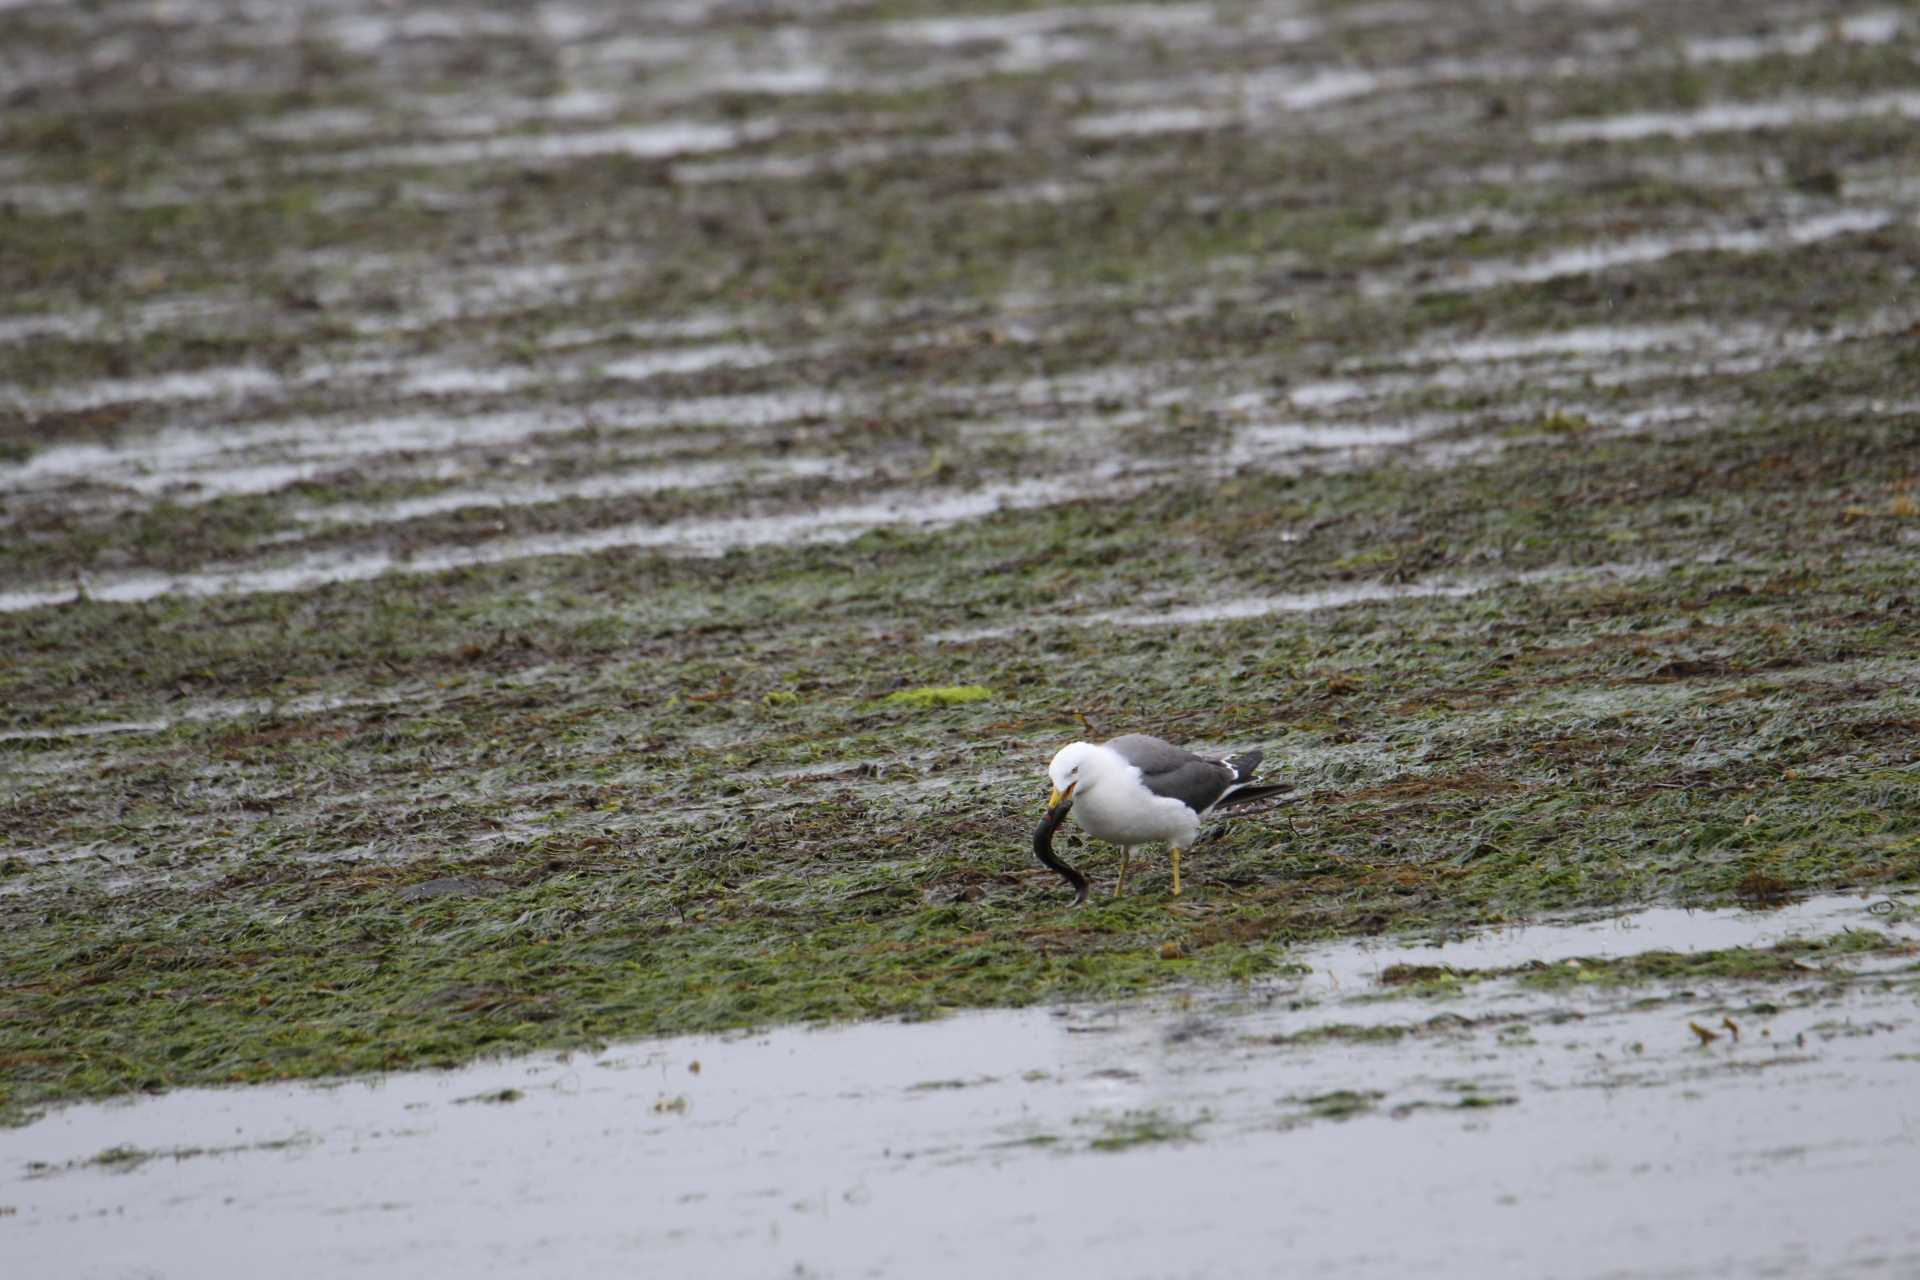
(1169, 771)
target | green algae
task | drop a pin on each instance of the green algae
(944, 695)
(1145, 1127)
(689, 801)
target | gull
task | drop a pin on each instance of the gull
(1139, 789)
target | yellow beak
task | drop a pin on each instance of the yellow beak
(1059, 795)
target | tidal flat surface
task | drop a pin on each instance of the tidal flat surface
(1681, 1093)
(470, 479)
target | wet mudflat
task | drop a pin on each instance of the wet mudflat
(472, 481)
(1598, 1099)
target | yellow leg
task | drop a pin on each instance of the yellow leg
(1126, 856)
(1174, 849)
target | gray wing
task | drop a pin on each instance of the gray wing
(1194, 781)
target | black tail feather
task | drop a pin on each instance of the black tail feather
(1244, 795)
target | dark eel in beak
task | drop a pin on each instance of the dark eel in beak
(1043, 848)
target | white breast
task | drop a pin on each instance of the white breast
(1112, 803)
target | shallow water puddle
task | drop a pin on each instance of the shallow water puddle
(216, 461)
(1239, 608)
(1128, 20)
(483, 112)
(200, 384)
(1255, 97)
(193, 461)
(739, 355)
(222, 709)
(1451, 227)
(1506, 1131)
(1211, 100)
(93, 322)
(1586, 258)
(1147, 121)
(1586, 341)
(1353, 967)
(369, 31)
(642, 141)
(1236, 609)
(787, 167)
(432, 298)
(1265, 440)
(213, 461)
(924, 509)
(1596, 355)
(1874, 26)
(496, 379)
(604, 485)
(1730, 117)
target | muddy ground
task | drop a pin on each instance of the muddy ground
(1518, 1103)
(472, 478)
